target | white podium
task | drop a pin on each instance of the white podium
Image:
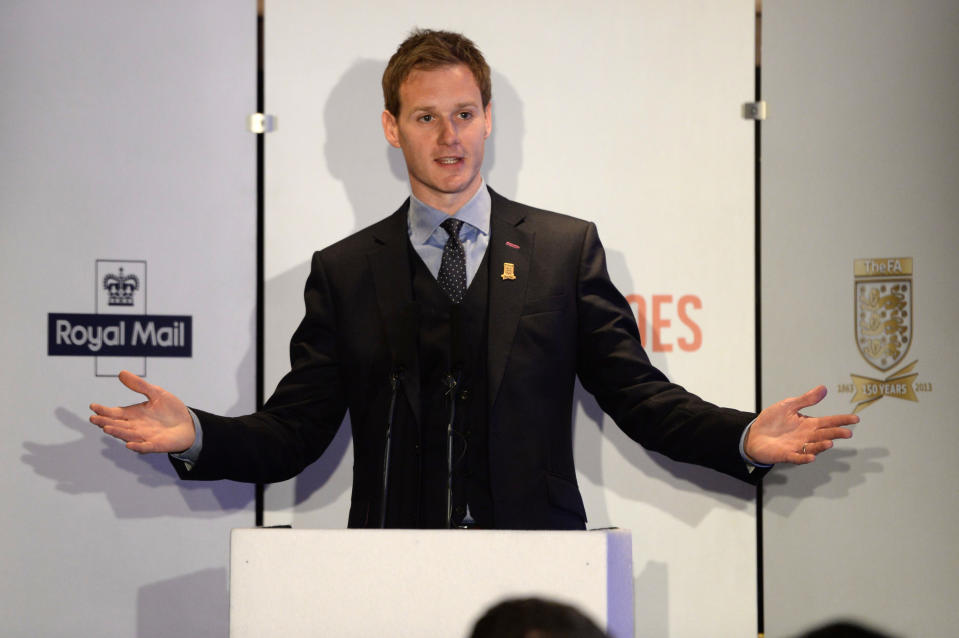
(436, 583)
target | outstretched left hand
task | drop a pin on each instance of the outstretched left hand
(780, 434)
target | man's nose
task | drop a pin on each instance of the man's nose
(448, 132)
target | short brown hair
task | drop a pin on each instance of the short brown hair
(429, 49)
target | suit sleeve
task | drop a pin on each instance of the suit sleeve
(301, 418)
(613, 366)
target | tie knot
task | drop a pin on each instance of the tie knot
(452, 226)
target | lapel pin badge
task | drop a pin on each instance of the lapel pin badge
(509, 271)
(512, 245)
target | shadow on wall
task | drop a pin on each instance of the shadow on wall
(72, 466)
(504, 148)
(651, 466)
(75, 468)
(196, 604)
(834, 475)
(355, 148)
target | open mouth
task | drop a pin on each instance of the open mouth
(448, 161)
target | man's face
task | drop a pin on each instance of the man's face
(442, 129)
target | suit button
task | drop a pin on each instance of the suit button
(464, 395)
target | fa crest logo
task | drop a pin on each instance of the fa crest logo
(883, 310)
(884, 330)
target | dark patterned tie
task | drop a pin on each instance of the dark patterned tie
(452, 275)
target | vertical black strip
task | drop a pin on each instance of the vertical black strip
(260, 108)
(760, 601)
(146, 310)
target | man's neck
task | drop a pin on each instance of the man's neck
(448, 203)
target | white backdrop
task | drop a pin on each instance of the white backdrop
(123, 139)
(627, 114)
(859, 162)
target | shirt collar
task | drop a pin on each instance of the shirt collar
(424, 219)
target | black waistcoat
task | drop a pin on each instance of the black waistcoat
(419, 474)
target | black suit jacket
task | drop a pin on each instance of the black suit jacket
(560, 317)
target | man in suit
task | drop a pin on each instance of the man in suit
(461, 321)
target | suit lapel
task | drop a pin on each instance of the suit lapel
(390, 264)
(508, 245)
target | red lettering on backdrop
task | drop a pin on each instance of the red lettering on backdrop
(662, 313)
(694, 301)
(660, 322)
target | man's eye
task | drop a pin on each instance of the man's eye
(426, 118)
(465, 115)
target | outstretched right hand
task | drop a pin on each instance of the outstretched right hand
(162, 423)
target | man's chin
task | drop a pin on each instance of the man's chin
(448, 187)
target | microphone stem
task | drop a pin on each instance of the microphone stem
(395, 384)
(451, 382)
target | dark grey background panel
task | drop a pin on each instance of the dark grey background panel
(859, 160)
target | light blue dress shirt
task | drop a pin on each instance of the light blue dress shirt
(428, 237)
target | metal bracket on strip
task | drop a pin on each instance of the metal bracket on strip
(754, 110)
(261, 123)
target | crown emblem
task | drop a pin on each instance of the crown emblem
(120, 288)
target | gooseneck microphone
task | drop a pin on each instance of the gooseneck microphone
(405, 351)
(452, 381)
(395, 376)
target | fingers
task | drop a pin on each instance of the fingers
(798, 458)
(808, 452)
(834, 421)
(124, 434)
(822, 439)
(137, 384)
(107, 411)
(121, 421)
(812, 449)
(828, 434)
(132, 438)
(102, 421)
(812, 397)
(117, 428)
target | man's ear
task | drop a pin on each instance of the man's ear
(390, 129)
(489, 119)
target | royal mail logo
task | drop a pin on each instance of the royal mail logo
(121, 325)
(884, 330)
(120, 287)
(83, 335)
